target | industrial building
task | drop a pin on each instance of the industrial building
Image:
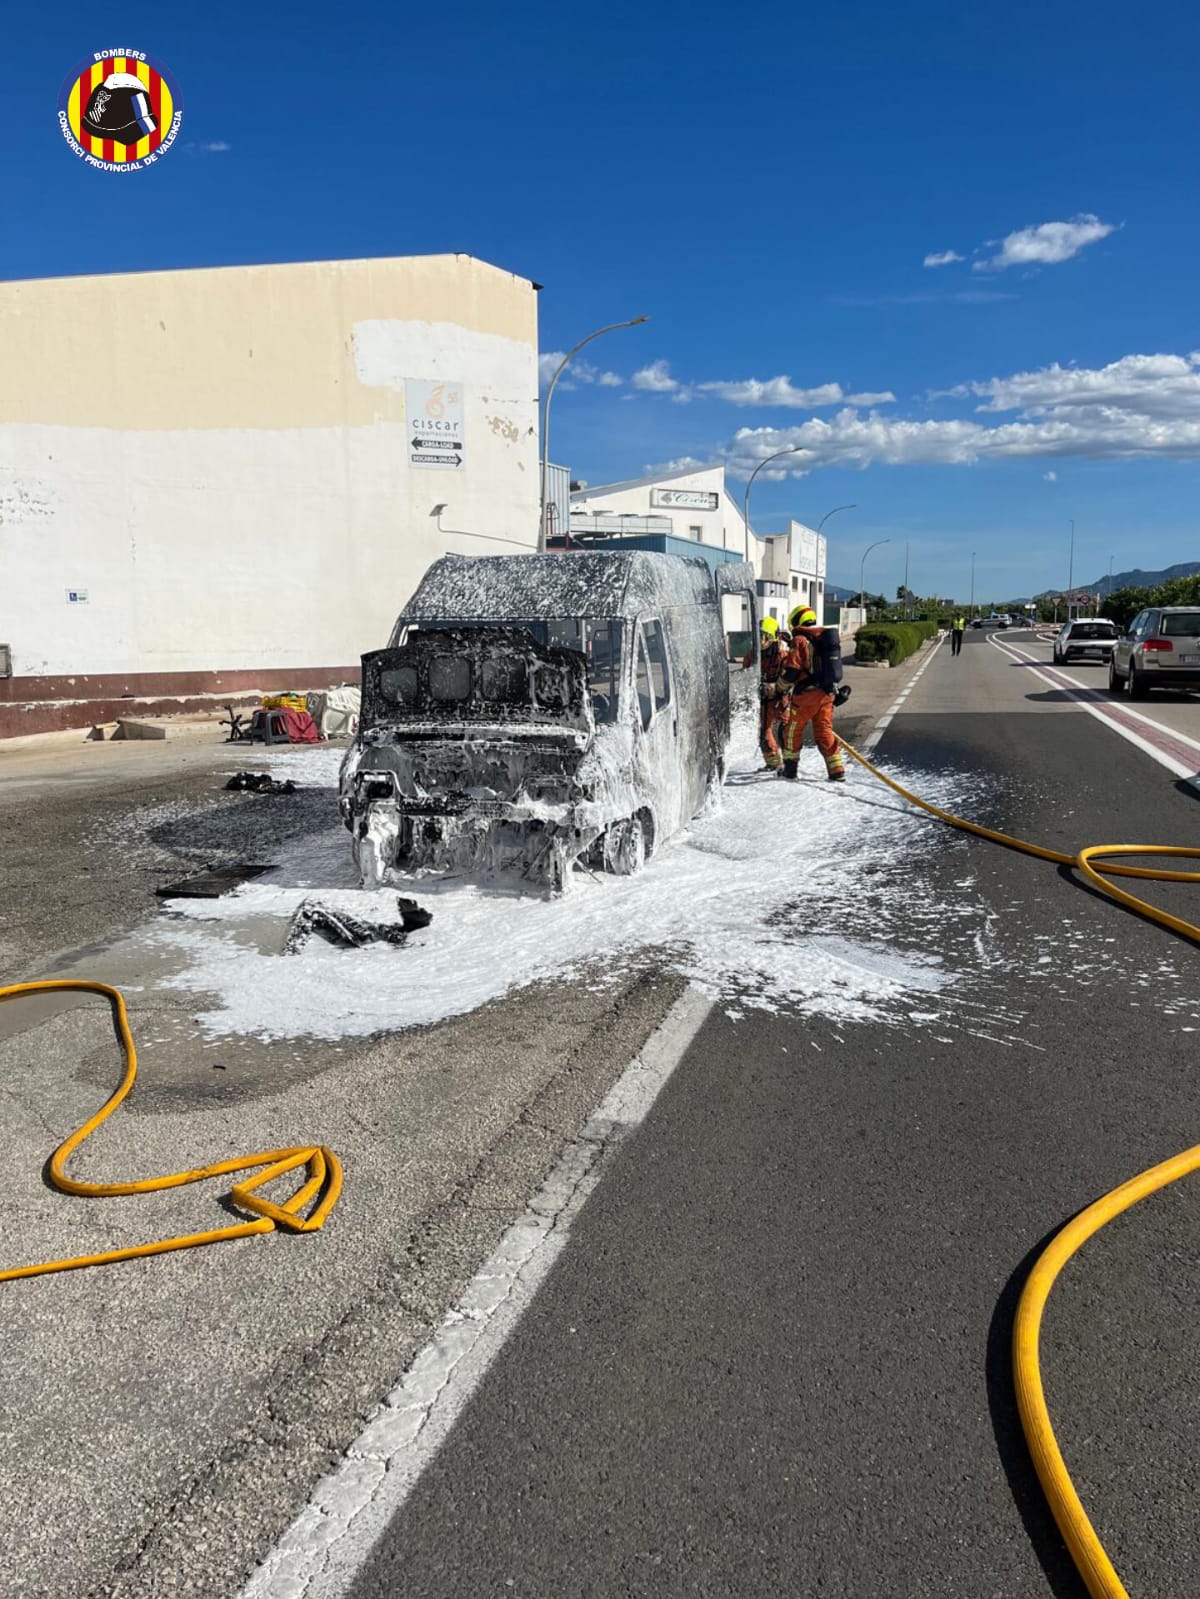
(218, 481)
(692, 512)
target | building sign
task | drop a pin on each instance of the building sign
(808, 550)
(685, 499)
(435, 423)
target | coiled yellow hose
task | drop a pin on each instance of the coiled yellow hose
(1088, 1553)
(304, 1212)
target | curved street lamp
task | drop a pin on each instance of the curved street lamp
(862, 568)
(792, 449)
(558, 372)
(834, 512)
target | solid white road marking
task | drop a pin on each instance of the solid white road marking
(322, 1552)
(1168, 748)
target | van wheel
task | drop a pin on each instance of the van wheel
(625, 847)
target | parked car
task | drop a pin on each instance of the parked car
(535, 711)
(1161, 650)
(1091, 640)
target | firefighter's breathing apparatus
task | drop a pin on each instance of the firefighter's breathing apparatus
(307, 1209)
(1088, 1553)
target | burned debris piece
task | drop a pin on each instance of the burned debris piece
(261, 783)
(214, 881)
(351, 932)
(412, 915)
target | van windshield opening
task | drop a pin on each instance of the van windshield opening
(597, 640)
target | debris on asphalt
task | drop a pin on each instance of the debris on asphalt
(261, 783)
(351, 932)
(214, 880)
(412, 915)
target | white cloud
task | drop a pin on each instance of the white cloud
(1050, 477)
(655, 379)
(1152, 385)
(941, 258)
(1144, 406)
(578, 372)
(773, 391)
(1047, 243)
(778, 391)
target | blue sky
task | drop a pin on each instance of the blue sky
(765, 184)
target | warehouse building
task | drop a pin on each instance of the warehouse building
(219, 481)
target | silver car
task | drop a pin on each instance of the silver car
(1091, 640)
(1160, 650)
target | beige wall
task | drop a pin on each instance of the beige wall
(220, 459)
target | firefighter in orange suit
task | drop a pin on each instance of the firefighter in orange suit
(807, 700)
(770, 693)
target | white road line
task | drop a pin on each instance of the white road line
(322, 1552)
(1115, 717)
(884, 722)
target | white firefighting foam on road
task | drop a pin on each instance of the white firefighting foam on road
(797, 898)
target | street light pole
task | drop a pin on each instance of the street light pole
(904, 607)
(792, 449)
(862, 569)
(558, 372)
(834, 512)
(971, 607)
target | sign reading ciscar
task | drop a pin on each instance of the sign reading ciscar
(685, 499)
(435, 419)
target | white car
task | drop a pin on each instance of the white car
(1091, 640)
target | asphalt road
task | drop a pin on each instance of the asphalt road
(774, 1357)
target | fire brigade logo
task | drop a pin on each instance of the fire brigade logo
(120, 111)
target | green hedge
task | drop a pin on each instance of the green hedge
(892, 642)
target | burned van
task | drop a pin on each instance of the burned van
(534, 712)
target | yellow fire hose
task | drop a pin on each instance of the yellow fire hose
(1086, 1550)
(299, 1214)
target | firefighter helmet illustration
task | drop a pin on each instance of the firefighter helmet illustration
(119, 108)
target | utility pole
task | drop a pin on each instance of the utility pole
(904, 611)
(972, 604)
(1071, 570)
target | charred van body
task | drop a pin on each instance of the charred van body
(532, 712)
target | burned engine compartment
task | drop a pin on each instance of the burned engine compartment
(535, 712)
(472, 755)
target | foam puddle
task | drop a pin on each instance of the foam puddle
(792, 898)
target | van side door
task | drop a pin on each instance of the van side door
(657, 714)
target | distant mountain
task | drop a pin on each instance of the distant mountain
(1136, 579)
(839, 595)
